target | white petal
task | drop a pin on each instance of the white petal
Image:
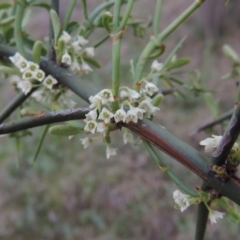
(49, 81)
(215, 215)
(120, 115)
(86, 141)
(151, 88)
(89, 52)
(110, 151)
(90, 126)
(65, 37)
(92, 115)
(156, 66)
(105, 115)
(66, 58)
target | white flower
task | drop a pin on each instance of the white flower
(120, 115)
(106, 96)
(25, 86)
(156, 66)
(76, 47)
(65, 37)
(105, 115)
(92, 115)
(14, 79)
(90, 126)
(86, 141)
(19, 61)
(66, 58)
(84, 68)
(215, 215)
(75, 67)
(28, 75)
(129, 93)
(89, 52)
(211, 143)
(49, 81)
(81, 40)
(148, 107)
(39, 75)
(181, 199)
(132, 115)
(123, 94)
(127, 137)
(110, 151)
(140, 112)
(151, 88)
(23, 65)
(16, 58)
(95, 101)
(39, 95)
(32, 66)
(102, 127)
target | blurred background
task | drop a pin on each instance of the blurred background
(72, 193)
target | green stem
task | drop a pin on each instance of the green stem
(173, 52)
(222, 118)
(99, 42)
(68, 14)
(186, 155)
(156, 18)
(166, 170)
(116, 71)
(18, 27)
(82, 88)
(154, 42)
(14, 104)
(85, 12)
(40, 143)
(96, 12)
(116, 13)
(51, 50)
(44, 118)
(126, 14)
(202, 216)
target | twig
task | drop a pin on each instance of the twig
(219, 120)
(42, 119)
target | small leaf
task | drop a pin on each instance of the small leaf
(30, 44)
(211, 104)
(157, 100)
(65, 130)
(72, 26)
(36, 51)
(8, 70)
(42, 5)
(5, 5)
(106, 19)
(55, 23)
(177, 63)
(229, 52)
(92, 62)
(39, 146)
(7, 21)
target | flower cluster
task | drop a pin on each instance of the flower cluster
(133, 106)
(74, 53)
(30, 72)
(183, 201)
